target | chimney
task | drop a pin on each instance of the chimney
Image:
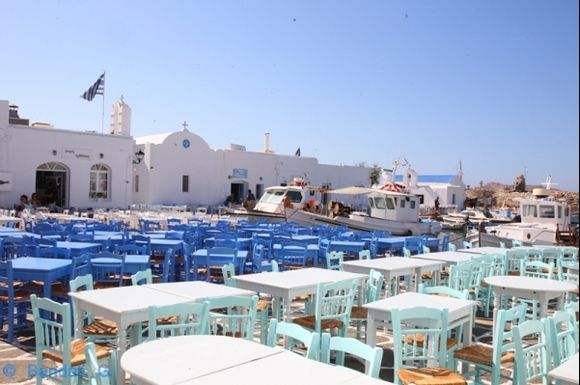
(267, 143)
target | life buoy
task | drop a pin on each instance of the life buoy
(390, 186)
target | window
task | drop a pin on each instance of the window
(421, 198)
(136, 184)
(296, 196)
(379, 202)
(530, 211)
(402, 203)
(371, 203)
(99, 182)
(412, 204)
(185, 183)
(453, 199)
(559, 211)
(390, 204)
(547, 211)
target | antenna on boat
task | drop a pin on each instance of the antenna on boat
(548, 183)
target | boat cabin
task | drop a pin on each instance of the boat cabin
(542, 208)
(394, 206)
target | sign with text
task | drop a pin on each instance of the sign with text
(77, 153)
(240, 173)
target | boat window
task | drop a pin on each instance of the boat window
(379, 202)
(567, 212)
(296, 196)
(412, 204)
(402, 203)
(453, 199)
(546, 211)
(559, 211)
(421, 198)
(530, 211)
(390, 204)
(371, 203)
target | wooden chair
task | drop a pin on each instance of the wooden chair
(13, 300)
(188, 319)
(238, 318)
(532, 352)
(371, 355)
(97, 373)
(293, 333)
(334, 260)
(562, 334)
(374, 285)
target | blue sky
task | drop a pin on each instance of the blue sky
(493, 84)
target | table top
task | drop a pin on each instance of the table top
(485, 250)
(392, 264)
(203, 253)
(529, 283)
(198, 290)
(446, 256)
(39, 264)
(77, 245)
(168, 361)
(205, 360)
(290, 279)
(410, 300)
(568, 371)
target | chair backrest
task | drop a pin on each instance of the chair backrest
(536, 269)
(514, 258)
(142, 240)
(228, 273)
(52, 328)
(517, 243)
(85, 237)
(11, 248)
(414, 244)
(293, 253)
(451, 247)
(294, 333)
(334, 260)
(108, 268)
(444, 291)
(371, 355)
(563, 336)
(532, 352)
(334, 301)
(259, 256)
(142, 277)
(444, 243)
(364, 254)
(374, 286)
(419, 337)
(186, 319)
(219, 256)
(131, 248)
(406, 252)
(53, 252)
(467, 245)
(239, 318)
(80, 265)
(97, 374)
(275, 266)
(169, 267)
(425, 249)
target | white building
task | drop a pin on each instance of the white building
(86, 169)
(450, 189)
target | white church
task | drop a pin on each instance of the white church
(68, 168)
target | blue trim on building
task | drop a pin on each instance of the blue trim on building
(430, 178)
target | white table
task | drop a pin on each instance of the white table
(393, 267)
(129, 305)
(567, 372)
(292, 283)
(460, 311)
(539, 289)
(218, 360)
(447, 257)
(485, 250)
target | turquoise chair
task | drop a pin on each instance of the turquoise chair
(517, 243)
(467, 245)
(96, 372)
(513, 260)
(374, 285)
(94, 328)
(536, 269)
(142, 277)
(228, 273)
(364, 254)
(294, 333)
(275, 266)
(451, 247)
(563, 336)
(239, 317)
(178, 319)
(455, 335)
(332, 307)
(491, 359)
(371, 355)
(572, 308)
(416, 346)
(532, 353)
(53, 331)
(334, 260)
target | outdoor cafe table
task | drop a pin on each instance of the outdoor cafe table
(47, 270)
(566, 372)
(460, 312)
(393, 267)
(133, 262)
(539, 289)
(292, 283)
(312, 251)
(447, 257)
(200, 258)
(129, 305)
(485, 250)
(78, 248)
(204, 360)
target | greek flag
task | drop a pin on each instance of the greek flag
(96, 89)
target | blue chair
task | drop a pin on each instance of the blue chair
(53, 252)
(292, 254)
(414, 244)
(239, 317)
(260, 260)
(131, 248)
(186, 319)
(142, 240)
(532, 353)
(53, 331)
(13, 301)
(371, 355)
(294, 333)
(107, 269)
(216, 258)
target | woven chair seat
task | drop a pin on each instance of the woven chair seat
(310, 322)
(430, 376)
(451, 342)
(19, 295)
(358, 312)
(426, 276)
(105, 285)
(444, 273)
(301, 298)
(574, 291)
(101, 327)
(262, 305)
(513, 273)
(481, 354)
(77, 353)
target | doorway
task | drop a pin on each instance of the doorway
(238, 192)
(52, 185)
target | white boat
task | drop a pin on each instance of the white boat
(474, 216)
(544, 220)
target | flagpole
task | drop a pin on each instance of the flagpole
(103, 111)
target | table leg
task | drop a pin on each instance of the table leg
(496, 304)
(371, 330)
(122, 344)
